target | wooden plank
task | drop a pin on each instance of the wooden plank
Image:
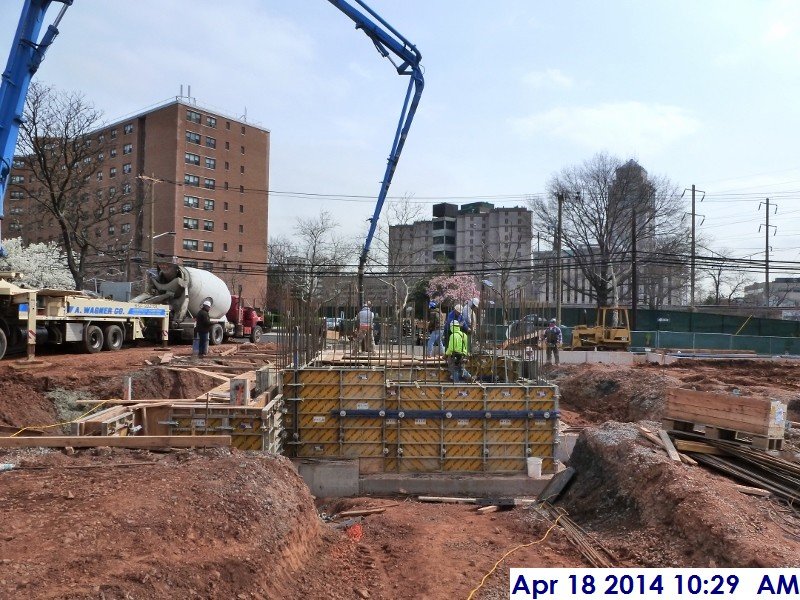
(722, 421)
(366, 511)
(698, 447)
(673, 454)
(752, 491)
(150, 441)
(229, 351)
(447, 500)
(488, 509)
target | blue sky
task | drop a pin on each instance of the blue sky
(702, 92)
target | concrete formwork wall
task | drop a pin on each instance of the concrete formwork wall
(418, 426)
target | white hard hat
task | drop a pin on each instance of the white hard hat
(475, 302)
(207, 303)
(457, 308)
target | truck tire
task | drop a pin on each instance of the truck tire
(255, 334)
(3, 343)
(92, 339)
(113, 338)
(216, 335)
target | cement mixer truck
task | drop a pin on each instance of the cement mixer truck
(185, 289)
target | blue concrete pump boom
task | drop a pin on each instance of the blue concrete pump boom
(23, 61)
(388, 42)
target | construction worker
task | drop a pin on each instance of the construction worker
(552, 339)
(457, 316)
(202, 328)
(456, 352)
(435, 329)
(471, 318)
(365, 324)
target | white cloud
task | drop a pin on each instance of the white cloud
(777, 32)
(622, 126)
(549, 78)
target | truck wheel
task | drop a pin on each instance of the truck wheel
(217, 333)
(3, 343)
(113, 338)
(92, 339)
(255, 334)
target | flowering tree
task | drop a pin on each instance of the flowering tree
(452, 289)
(42, 265)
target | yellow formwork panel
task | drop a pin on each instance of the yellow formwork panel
(318, 377)
(363, 377)
(420, 441)
(463, 442)
(362, 437)
(462, 392)
(424, 394)
(364, 392)
(502, 392)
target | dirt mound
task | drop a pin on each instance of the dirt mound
(157, 382)
(22, 405)
(602, 392)
(211, 524)
(625, 486)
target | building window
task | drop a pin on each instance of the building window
(18, 164)
(241, 189)
(240, 267)
(112, 153)
(191, 201)
(15, 227)
(439, 239)
(227, 124)
(208, 266)
(16, 210)
(127, 207)
(208, 246)
(191, 159)
(126, 168)
(193, 116)
(101, 157)
(192, 180)
(241, 208)
(227, 145)
(126, 228)
(17, 179)
(227, 165)
(189, 223)
(211, 163)
(101, 138)
(242, 129)
(241, 228)
(113, 134)
(208, 204)
(208, 225)
(112, 172)
(17, 195)
(225, 246)
(240, 247)
(126, 188)
(190, 244)
(128, 128)
(226, 186)
(225, 227)
(242, 149)
(192, 137)
(211, 121)
(241, 169)
(209, 184)
(211, 142)
(190, 263)
(226, 206)
(111, 230)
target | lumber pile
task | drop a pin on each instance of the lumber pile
(725, 416)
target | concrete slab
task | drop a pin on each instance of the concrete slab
(442, 484)
(566, 444)
(329, 478)
(577, 357)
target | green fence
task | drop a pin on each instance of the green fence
(772, 345)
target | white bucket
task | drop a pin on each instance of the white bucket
(534, 467)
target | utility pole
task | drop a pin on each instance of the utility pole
(558, 257)
(766, 227)
(151, 180)
(634, 276)
(693, 259)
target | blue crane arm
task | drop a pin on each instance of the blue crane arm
(388, 41)
(23, 61)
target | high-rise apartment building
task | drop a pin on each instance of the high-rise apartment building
(178, 181)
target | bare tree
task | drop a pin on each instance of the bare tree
(725, 281)
(604, 203)
(62, 159)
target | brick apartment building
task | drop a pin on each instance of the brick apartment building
(189, 181)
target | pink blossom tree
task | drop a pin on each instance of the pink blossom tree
(452, 289)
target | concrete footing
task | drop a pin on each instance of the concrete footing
(340, 478)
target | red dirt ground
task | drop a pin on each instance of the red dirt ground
(219, 524)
